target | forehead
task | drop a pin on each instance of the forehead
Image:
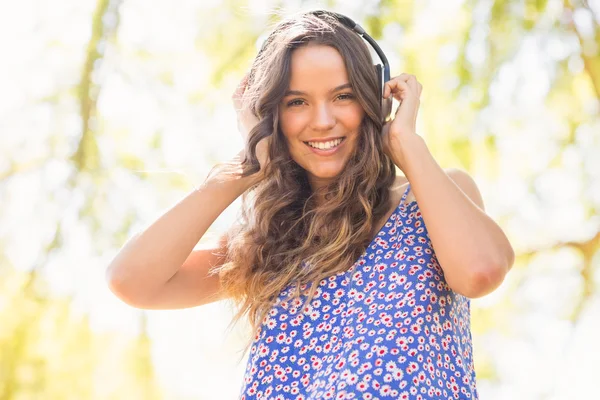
(317, 66)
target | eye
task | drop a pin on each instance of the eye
(345, 96)
(296, 102)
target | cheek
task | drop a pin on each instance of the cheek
(292, 124)
(357, 116)
(352, 116)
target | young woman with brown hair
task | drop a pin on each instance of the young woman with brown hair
(356, 281)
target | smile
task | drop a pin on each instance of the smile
(326, 148)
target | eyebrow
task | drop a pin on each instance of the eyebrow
(335, 89)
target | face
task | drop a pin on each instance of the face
(319, 114)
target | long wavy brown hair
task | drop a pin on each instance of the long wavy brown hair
(284, 236)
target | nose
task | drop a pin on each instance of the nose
(323, 118)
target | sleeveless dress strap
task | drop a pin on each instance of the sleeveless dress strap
(405, 194)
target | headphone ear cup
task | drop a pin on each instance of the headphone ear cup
(385, 104)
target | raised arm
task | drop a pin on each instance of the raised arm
(157, 268)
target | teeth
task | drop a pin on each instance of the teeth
(325, 145)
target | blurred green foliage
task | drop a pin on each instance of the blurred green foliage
(47, 350)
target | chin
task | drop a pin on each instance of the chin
(326, 173)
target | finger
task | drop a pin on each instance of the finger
(411, 80)
(391, 87)
(408, 79)
(413, 84)
(404, 77)
(397, 88)
(241, 87)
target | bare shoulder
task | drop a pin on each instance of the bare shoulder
(467, 184)
(398, 189)
(460, 177)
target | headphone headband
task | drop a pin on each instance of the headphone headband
(350, 24)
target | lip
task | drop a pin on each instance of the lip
(318, 140)
(326, 152)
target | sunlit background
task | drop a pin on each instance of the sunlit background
(113, 110)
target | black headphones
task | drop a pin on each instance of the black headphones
(383, 70)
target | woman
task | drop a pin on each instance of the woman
(356, 282)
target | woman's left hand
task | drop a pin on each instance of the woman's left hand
(407, 90)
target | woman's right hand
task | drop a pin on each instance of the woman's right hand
(247, 121)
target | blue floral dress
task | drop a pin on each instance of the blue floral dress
(388, 327)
